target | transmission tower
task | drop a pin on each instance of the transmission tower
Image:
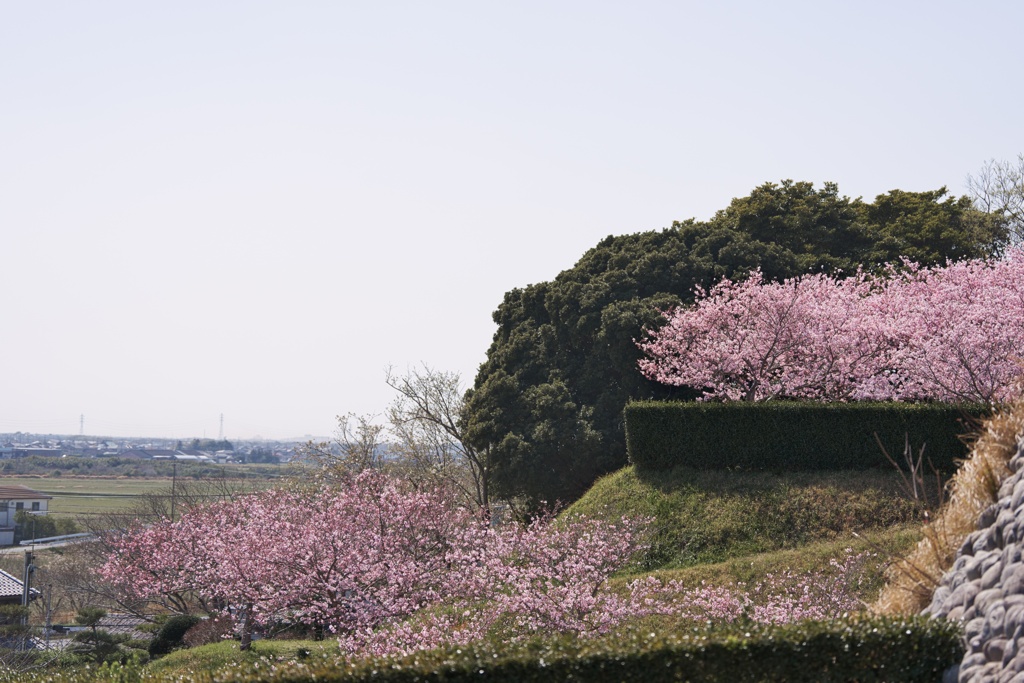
(221, 437)
(81, 424)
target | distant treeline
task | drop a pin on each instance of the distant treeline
(42, 466)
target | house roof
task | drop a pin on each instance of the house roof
(11, 587)
(21, 493)
(124, 624)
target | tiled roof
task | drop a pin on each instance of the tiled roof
(124, 624)
(20, 493)
(11, 587)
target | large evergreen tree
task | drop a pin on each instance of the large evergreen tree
(547, 403)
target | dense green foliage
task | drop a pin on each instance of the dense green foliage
(171, 633)
(115, 466)
(929, 228)
(211, 445)
(261, 455)
(792, 436)
(879, 649)
(700, 517)
(547, 403)
(29, 526)
(94, 644)
(13, 633)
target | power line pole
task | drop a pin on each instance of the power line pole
(174, 481)
(49, 615)
(26, 588)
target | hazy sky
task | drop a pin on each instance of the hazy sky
(253, 208)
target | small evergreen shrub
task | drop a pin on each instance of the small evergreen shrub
(171, 634)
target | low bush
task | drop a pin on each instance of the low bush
(212, 630)
(171, 634)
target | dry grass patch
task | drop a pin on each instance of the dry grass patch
(975, 486)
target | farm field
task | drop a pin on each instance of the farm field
(83, 496)
(91, 495)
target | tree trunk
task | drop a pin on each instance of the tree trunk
(246, 629)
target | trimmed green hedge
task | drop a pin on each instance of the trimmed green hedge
(790, 436)
(859, 650)
(864, 650)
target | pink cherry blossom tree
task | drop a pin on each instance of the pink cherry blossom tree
(965, 324)
(811, 337)
(550, 574)
(390, 569)
(949, 333)
(213, 553)
(369, 557)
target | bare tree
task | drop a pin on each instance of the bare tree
(426, 424)
(998, 190)
(358, 445)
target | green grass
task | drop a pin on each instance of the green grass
(884, 544)
(91, 485)
(75, 496)
(710, 517)
(787, 566)
(227, 654)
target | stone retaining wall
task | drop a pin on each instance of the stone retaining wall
(985, 589)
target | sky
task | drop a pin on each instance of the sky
(253, 209)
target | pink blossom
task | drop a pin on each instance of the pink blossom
(367, 558)
(949, 333)
(391, 569)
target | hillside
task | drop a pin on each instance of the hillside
(769, 537)
(702, 518)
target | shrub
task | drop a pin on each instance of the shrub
(211, 630)
(171, 634)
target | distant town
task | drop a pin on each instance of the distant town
(213, 451)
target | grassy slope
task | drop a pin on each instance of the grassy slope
(221, 655)
(701, 518)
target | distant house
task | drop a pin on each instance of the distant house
(191, 458)
(130, 454)
(158, 452)
(14, 498)
(28, 451)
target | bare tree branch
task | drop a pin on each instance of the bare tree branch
(358, 445)
(998, 190)
(426, 421)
